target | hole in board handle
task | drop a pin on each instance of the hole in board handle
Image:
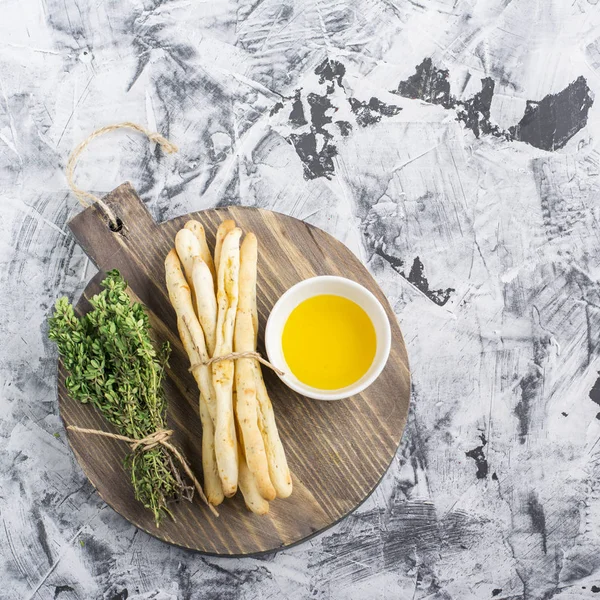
(115, 227)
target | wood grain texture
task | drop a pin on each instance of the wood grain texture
(337, 451)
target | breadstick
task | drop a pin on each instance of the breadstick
(223, 371)
(224, 228)
(180, 297)
(212, 483)
(279, 471)
(192, 338)
(188, 248)
(248, 485)
(278, 467)
(246, 405)
(252, 301)
(206, 302)
(198, 230)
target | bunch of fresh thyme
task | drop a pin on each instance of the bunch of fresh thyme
(113, 365)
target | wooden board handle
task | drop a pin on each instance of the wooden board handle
(137, 248)
(94, 233)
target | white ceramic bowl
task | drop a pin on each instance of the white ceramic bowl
(337, 286)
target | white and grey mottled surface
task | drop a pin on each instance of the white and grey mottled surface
(477, 212)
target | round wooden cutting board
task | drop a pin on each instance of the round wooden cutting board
(337, 451)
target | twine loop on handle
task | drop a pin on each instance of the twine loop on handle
(85, 198)
(158, 438)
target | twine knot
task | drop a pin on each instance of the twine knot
(158, 438)
(151, 441)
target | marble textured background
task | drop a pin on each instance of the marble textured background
(451, 144)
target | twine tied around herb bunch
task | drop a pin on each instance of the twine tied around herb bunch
(158, 438)
(86, 199)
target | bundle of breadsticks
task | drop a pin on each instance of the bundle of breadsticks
(217, 319)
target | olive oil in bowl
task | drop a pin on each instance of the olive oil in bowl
(329, 342)
(330, 336)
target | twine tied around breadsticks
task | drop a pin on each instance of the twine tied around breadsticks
(236, 355)
(231, 356)
(86, 199)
